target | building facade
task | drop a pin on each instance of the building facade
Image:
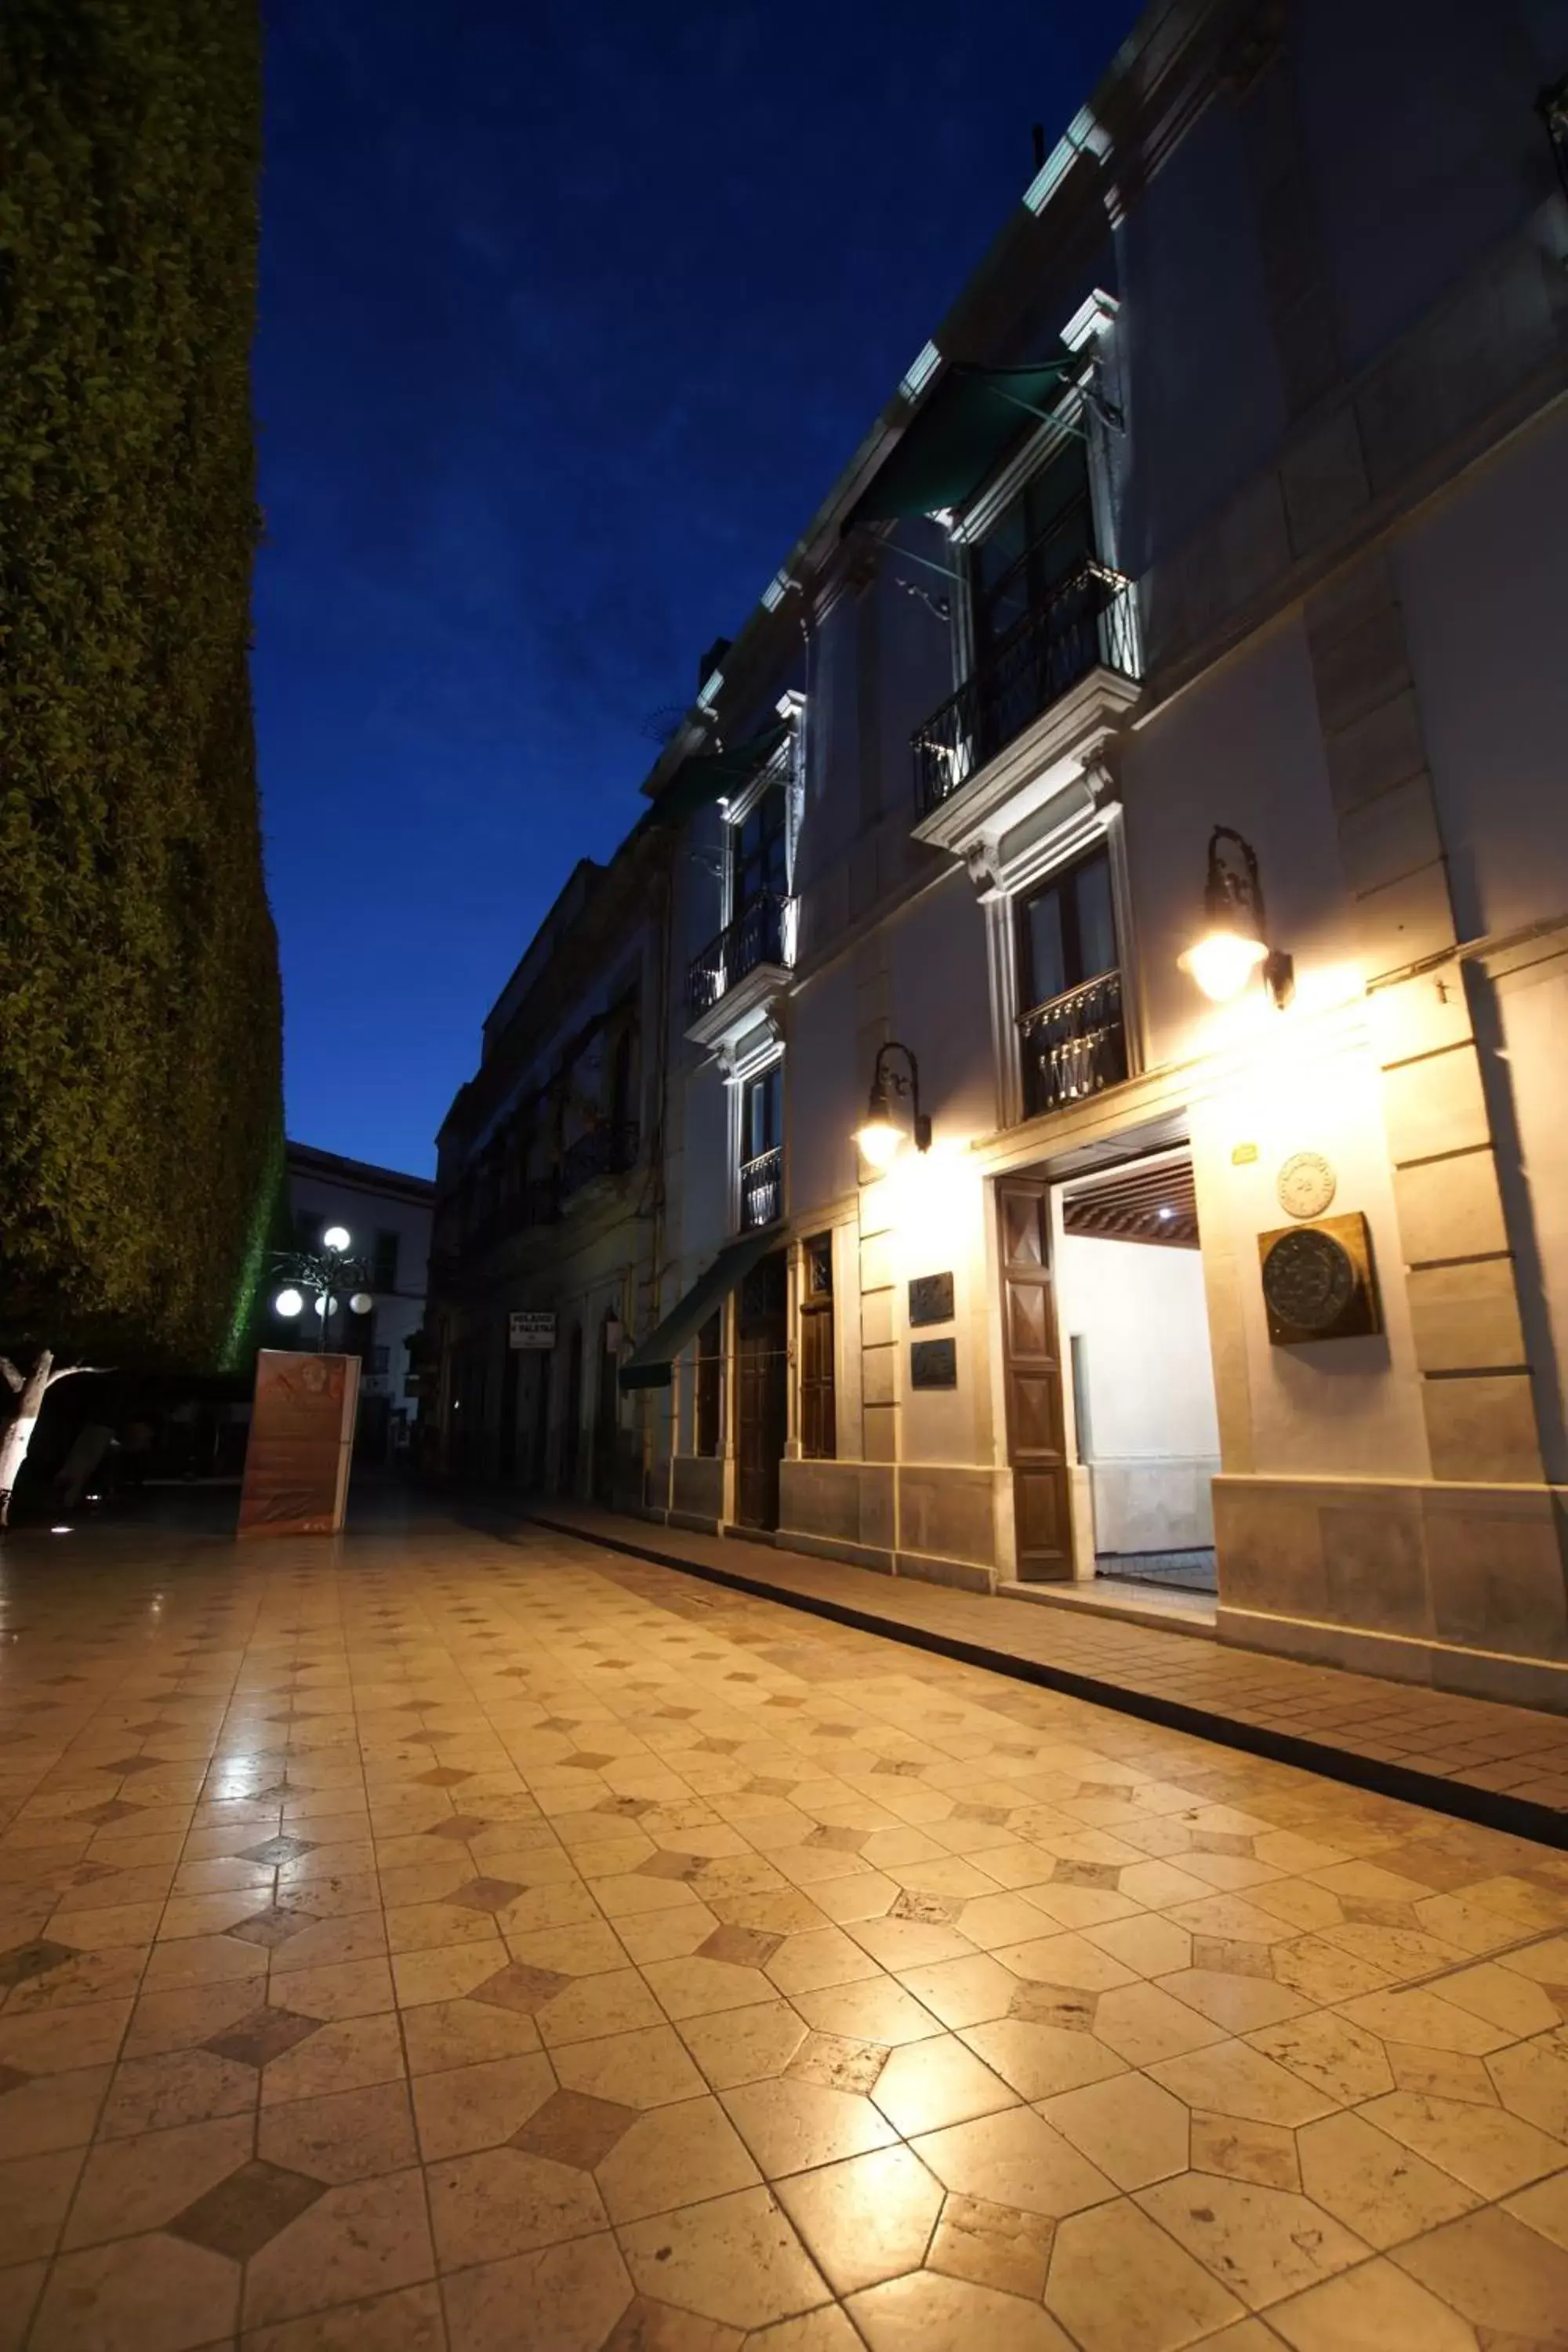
(387, 1217)
(549, 1182)
(1153, 752)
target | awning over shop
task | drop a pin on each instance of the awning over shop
(650, 1366)
(960, 433)
(715, 775)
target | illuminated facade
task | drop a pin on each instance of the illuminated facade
(1189, 616)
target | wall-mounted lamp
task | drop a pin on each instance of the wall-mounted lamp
(1236, 944)
(882, 1139)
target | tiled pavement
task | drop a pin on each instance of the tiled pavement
(439, 1940)
(1476, 1751)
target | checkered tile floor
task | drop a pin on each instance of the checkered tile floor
(443, 1941)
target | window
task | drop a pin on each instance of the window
(710, 1374)
(384, 1268)
(818, 1429)
(376, 1360)
(762, 1107)
(762, 1149)
(310, 1224)
(1066, 932)
(621, 1079)
(758, 849)
(1074, 1041)
(1042, 537)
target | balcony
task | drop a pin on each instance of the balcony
(739, 973)
(762, 1190)
(1048, 695)
(605, 1150)
(1074, 1045)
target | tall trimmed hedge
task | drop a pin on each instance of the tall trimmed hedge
(139, 1016)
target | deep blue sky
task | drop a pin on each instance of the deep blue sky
(569, 316)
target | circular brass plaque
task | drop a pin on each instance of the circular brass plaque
(1306, 1184)
(1309, 1280)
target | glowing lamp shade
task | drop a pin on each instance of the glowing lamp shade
(289, 1303)
(336, 1237)
(1222, 962)
(880, 1141)
(360, 1303)
(325, 1306)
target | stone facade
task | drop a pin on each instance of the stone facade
(1281, 561)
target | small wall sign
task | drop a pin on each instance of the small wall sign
(934, 1363)
(531, 1327)
(1242, 1155)
(931, 1299)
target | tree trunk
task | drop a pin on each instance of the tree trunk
(17, 1434)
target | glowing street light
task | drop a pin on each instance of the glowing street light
(1235, 944)
(881, 1138)
(318, 1278)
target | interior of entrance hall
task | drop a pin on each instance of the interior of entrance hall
(1134, 1333)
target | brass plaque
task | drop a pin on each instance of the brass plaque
(1319, 1282)
(931, 1299)
(934, 1363)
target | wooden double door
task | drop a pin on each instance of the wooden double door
(761, 1389)
(1032, 1371)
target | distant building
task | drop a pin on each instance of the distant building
(387, 1216)
(550, 1192)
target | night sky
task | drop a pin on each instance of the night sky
(570, 317)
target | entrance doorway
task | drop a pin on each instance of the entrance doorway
(761, 1390)
(572, 1423)
(604, 1419)
(1037, 1438)
(506, 1452)
(1134, 1327)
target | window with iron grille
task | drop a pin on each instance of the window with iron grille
(1031, 547)
(1067, 932)
(819, 1422)
(1073, 1038)
(384, 1268)
(758, 849)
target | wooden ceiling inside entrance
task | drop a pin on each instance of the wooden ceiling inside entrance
(1138, 1203)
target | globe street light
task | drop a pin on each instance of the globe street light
(320, 1276)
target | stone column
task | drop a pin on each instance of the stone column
(1460, 1270)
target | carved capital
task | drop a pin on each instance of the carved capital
(1102, 777)
(980, 862)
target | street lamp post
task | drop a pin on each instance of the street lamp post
(320, 1276)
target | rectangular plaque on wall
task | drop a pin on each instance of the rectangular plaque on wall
(934, 1363)
(931, 1299)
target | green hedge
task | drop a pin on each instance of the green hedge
(140, 1015)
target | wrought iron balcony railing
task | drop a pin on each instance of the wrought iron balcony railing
(605, 1150)
(1074, 1045)
(763, 932)
(1087, 621)
(762, 1190)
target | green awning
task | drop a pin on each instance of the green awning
(960, 435)
(650, 1366)
(715, 775)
